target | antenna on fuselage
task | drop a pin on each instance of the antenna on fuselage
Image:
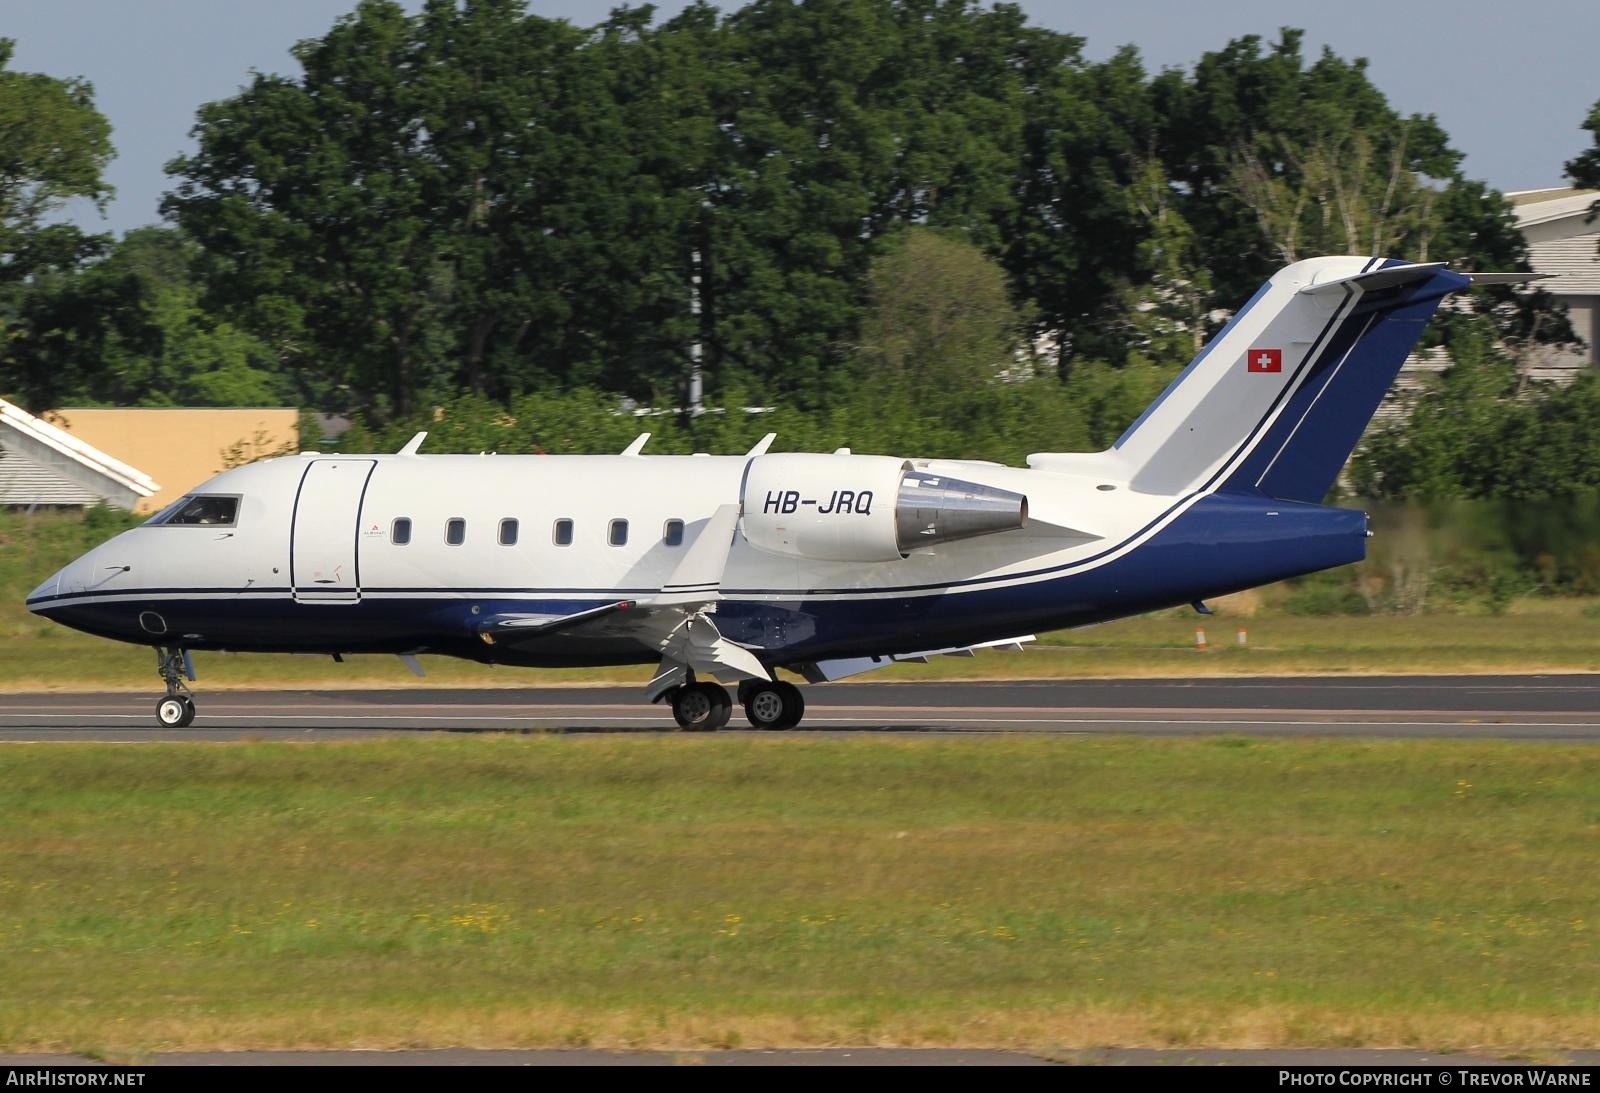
(413, 444)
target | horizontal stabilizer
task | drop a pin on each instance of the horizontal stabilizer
(1378, 279)
(1504, 278)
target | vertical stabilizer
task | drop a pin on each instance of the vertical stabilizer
(1277, 400)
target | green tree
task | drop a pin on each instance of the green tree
(54, 145)
(1584, 169)
(940, 318)
(1282, 160)
(129, 329)
(309, 201)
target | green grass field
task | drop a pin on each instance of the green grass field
(665, 890)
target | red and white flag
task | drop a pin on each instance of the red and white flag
(1264, 360)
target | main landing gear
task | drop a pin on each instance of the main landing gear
(176, 710)
(772, 704)
(706, 707)
(700, 707)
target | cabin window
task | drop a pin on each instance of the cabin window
(618, 535)
(455, 532)
(672, 534)
(201, 509)
(563, 533)
(508, 533)
(400, 531)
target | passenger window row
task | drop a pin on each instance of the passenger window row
(455, 532)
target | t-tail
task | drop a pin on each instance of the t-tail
(1276, 402)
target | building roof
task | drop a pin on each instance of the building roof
(48, 465)
(1543, 206)
(1572, 263)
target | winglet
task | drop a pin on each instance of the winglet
(638, 444)
(761, 446)
(413, 444)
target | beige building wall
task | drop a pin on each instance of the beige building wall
(181, 448)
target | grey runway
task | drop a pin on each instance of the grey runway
(1552, 707)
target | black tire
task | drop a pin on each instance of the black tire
(175, 712)
(701, 707)
(775, 706)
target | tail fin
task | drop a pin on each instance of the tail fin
(1276, 402)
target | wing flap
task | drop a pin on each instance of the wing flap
(510, 628)
(826, 671)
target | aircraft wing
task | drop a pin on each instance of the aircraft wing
(676, 621)
(509, 628)
(826, 671)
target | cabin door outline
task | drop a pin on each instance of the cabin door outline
(324, 533)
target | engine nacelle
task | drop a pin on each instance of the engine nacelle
(865, 508)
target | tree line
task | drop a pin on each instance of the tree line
(916, 224)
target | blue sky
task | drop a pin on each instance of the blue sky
(1510, 83)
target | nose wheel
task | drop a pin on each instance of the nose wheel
(176, 710)
(772, 705)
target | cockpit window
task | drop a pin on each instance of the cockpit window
(209, 510)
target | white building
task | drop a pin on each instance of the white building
(42, 466)
(1564, 241)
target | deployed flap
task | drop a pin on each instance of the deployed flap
(699, 575)
(693, 641)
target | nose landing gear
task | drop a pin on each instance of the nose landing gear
(176, 710)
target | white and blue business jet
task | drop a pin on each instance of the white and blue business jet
(823, 564)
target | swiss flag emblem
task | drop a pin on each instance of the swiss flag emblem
(1264, 360)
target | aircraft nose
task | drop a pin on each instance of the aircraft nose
(40, 598)
(69, 580)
